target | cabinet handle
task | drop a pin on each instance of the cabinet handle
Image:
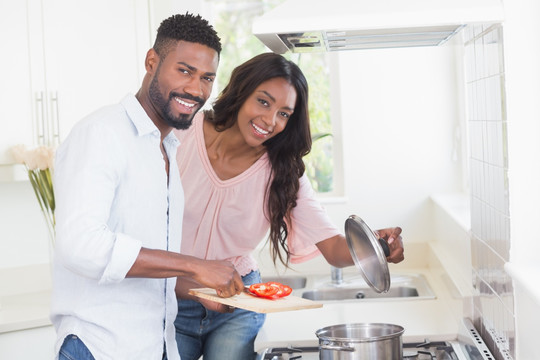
(55, 119)
(40, 118)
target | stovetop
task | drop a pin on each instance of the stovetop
(440, 350)
(469, 346)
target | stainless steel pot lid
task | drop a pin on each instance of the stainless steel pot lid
(368, 253)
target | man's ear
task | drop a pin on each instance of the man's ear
(151, 62)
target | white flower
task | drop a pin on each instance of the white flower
(30, 161)
(19, 153)
(41, 158)
(50, 157)
(39, 164)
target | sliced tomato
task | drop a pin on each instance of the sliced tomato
(263, 290)
(283, 290)
(270, 290)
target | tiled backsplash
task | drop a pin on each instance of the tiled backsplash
(490, 219)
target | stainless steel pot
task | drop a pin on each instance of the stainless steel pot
(367, 341)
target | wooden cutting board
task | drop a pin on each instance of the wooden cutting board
(253, 303)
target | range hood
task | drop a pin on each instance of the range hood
(332, 25)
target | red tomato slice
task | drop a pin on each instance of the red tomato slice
(270, 290)
(263, 290)
(283, 290)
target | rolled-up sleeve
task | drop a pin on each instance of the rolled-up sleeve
(124, 254)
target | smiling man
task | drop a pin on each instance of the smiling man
(120, 204)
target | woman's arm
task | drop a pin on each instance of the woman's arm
(336, 252)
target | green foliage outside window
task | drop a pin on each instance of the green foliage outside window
(233, 23)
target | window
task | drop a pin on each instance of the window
(233, 22)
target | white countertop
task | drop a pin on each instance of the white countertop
(24, 311)
(25, 297)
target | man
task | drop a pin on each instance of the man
(120, 204)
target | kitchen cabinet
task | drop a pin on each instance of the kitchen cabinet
(63, 59)
(30, 344)
(16, 108)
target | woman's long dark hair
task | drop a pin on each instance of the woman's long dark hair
(285, 150)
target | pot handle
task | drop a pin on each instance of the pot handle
(336, 347)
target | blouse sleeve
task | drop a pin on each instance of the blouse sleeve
(310, 224)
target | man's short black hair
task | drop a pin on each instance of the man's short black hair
(188, 27)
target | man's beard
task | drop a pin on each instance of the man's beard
(181, 122)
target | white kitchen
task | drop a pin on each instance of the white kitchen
(439, 140)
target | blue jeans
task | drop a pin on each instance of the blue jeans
(74, 349)
(217, 336)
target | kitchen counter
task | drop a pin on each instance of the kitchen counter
(436, 319)
(24, 311)
(25, 297)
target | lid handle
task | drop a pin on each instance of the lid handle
(385, 247)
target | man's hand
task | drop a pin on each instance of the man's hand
(184, 284)
(219, 275)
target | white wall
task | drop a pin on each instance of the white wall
(401, 135)
(23, 232)
(522, 63)
(489, 239)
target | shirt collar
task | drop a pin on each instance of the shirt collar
(142, 121)
(138, 115)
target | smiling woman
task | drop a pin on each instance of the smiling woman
(269, 109)
(233, 22)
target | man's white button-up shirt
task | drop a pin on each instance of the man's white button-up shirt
(113, 197)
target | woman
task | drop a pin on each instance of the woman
(243, 174)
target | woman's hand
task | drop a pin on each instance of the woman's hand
(395, 243)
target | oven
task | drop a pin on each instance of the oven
(468, 345)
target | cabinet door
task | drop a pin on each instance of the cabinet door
(31, 344)
(63, 59)
(95, 54)
(15, 88)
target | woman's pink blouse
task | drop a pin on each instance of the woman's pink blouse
(225, 219)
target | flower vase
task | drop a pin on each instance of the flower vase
(39, 165)
(50, 246)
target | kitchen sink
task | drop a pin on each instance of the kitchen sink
(295, 282)
(357, 293)
(402, 286)
(354, 288)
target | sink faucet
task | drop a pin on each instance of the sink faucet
(336, 274)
